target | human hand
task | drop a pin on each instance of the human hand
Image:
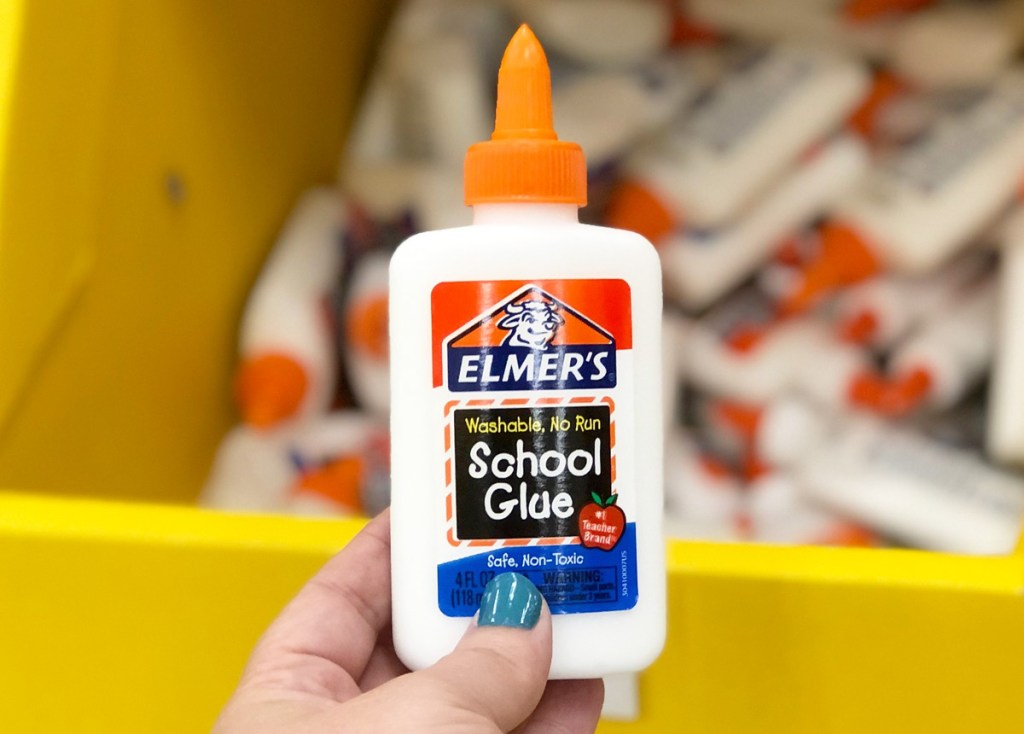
(327, 663)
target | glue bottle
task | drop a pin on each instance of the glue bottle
(526, 403)
(288, 361)
(926, 203)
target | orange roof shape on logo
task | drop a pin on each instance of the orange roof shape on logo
(494, 327)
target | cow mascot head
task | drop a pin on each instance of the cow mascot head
(530, 324)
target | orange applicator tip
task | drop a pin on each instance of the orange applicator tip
(635, 207)
(861, 328)
(846, 258)
(524, 160)
(742, 419)
(338, 481)
(366, 326)
(269, 389)
(885, 88)
(867, 390)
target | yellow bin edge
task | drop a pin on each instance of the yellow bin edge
(119, 617)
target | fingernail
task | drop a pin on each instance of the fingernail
(510, 600)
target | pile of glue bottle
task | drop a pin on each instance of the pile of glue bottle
(833, 189)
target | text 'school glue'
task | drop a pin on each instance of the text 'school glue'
(924, 204)
(908, 486)
(701, 265)
(750, 127)
(526, 403)
(288, 358)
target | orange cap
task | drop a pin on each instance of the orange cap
(884, 89)
(338, 481)
(845, 535)
(861, 328)
(846, 258)
(524, 161)
(269, 388)
(366, 326)
(741, 418)
(635, 207)
(866, 390)
(906, 393)
(860, 11)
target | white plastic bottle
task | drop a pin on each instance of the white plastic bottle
(526, 403)
(702, 498)
(949, 354)
(342, 461)
(731, 355)
(780, 514)
(365, 329)
(959, 45)
(251, 472)
(882, 311)
(867, 28)
(748, 130)
(607, 111)
(900, 483)
(288, 356)
(1006, 405)
(701, 265)
(928, 202)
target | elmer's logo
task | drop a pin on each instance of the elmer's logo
(530, 341)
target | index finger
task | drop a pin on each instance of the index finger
(323, 639)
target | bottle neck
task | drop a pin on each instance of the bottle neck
(532, 213)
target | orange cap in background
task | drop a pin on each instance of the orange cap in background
(338, 481)
(635, 207)
(866, 390)
(366, 326)
(743, 419)
(860, 11)
(861, 328)
(885, 87)
(269, 389)
(687, 30)
(906, 393)
(846, 258)
(524, 161)
(846, 534)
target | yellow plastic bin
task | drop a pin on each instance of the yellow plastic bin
(149, 152)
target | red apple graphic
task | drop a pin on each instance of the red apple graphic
(602, 523)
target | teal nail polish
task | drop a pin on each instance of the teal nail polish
(510, 600)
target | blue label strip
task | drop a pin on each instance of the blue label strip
(573, 579)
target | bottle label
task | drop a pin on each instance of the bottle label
(760, 82)
(534, 384)
(975, 122)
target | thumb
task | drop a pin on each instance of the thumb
(498, 672)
